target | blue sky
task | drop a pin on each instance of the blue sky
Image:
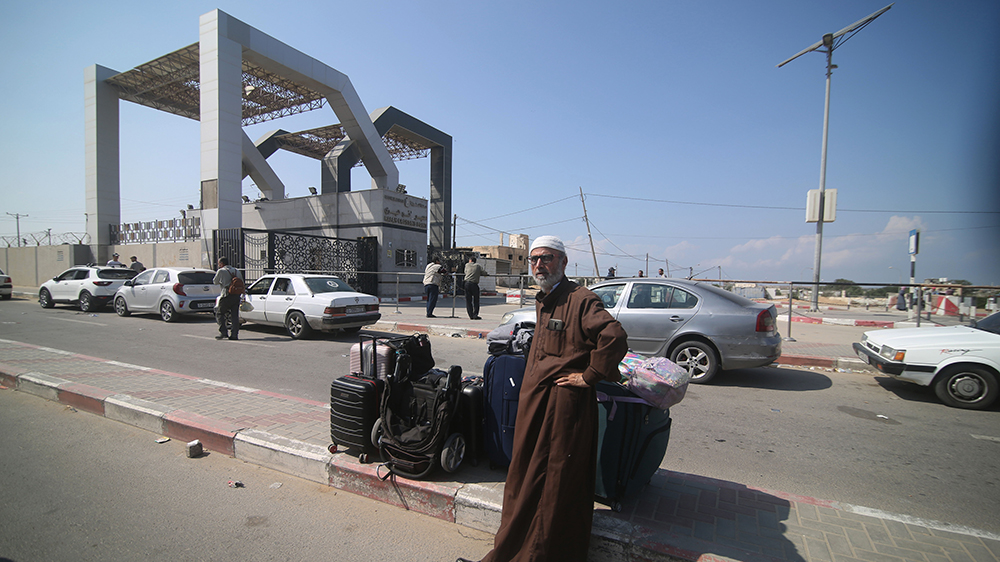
(688, 143)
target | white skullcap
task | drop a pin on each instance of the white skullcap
(548, 242)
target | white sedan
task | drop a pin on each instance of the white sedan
(961, 363)
(303, 303)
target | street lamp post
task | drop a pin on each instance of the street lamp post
(827, 45)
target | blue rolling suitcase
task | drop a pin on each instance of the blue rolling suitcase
(503, 375)
(631, 442)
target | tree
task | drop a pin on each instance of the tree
(849, 287)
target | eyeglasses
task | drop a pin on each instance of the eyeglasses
(545, 258)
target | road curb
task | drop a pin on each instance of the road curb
(840, 321)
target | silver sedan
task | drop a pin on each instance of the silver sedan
(696, 325)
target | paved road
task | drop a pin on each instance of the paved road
(814, 433)
(80, 487)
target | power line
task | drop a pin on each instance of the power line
(778, 208)
(531, 208)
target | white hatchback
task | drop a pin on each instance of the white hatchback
(303, 303)
(169, 292)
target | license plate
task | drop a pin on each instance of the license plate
(202, 305)
(864, 357)
(355, 309)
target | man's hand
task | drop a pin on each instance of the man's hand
(572, 379)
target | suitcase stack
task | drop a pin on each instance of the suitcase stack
(631, 444)
(354, 398)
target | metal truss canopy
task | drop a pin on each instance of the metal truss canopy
(172, 83)
(317, 143)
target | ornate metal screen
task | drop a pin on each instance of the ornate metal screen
(258, 252)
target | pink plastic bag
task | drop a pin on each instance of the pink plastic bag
(657, 380)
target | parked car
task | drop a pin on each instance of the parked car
(6, 286)
(168, 291)
(87, 286)
(961, 363)
(699, 326)
(303, 303)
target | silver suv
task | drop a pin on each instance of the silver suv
(89, 287)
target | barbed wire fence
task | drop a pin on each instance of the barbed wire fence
(45, 238)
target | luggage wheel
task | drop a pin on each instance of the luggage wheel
(332, 447)
(453, 452)
(363, 459)
(616, 507)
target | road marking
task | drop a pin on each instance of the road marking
(81, 322)
(237, 341)
(987, 438)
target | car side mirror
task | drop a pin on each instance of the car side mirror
(128, 283)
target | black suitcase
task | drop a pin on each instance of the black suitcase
(502, 375)
(469, 419)
(631, 442)
(354, 409)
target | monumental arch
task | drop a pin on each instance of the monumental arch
(237, 75)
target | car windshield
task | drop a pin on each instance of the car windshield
(196, 277)
(990, 324)
(116, 273)
(326, 285)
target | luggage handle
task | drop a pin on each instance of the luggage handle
(375, 341)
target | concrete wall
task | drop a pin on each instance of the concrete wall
(31, 266)
(196, 253)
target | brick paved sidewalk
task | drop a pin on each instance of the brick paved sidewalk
(677, 517)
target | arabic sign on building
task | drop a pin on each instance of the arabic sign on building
(405, 211)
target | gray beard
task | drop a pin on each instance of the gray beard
(550, 280)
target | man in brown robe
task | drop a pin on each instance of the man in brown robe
(548, 504)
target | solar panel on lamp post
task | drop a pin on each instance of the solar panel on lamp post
(828, 44)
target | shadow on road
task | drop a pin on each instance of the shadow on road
(774, 378)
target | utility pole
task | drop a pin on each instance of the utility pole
(597, 272)
(454, 231)
(17, 219)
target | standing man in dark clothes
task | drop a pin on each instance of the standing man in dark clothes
(548, 503)
(473, 271)
(228, 304)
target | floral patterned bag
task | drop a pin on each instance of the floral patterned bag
(657, 380)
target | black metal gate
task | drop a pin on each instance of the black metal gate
(258, 252)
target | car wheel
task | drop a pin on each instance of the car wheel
(167, 312)
(967, 386)
(7, 297)
(297, 325)
(453, 452)
(698, 358)
(121, 307)
(45, 299)
(86, 302)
